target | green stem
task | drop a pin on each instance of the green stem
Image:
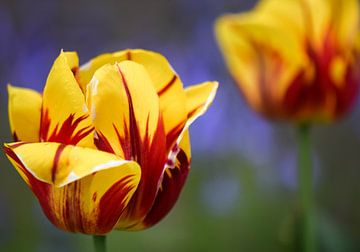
(99, 243)
(306, 189)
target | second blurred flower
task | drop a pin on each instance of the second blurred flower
(295, 60)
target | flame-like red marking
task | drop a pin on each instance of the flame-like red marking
(303, 94)
(149, 153)
(63, 132)
(112, 204)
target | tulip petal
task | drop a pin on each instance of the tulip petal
(79, 189)
(168, 85)
(176, 169)
(198, 99)
(135, 132)
(258, 54)
(65, 118)
(24, 113)
(172, 183)
(165, 80)
(127, 89)
(345, 17)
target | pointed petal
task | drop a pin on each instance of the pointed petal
(198, 99)
(79, 189)
(125, 110)
(24, 113)
(65, 117)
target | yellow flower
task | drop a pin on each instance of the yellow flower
(295, 59)
(106, 145)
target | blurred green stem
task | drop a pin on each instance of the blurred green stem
(100, 243)
(306, 189)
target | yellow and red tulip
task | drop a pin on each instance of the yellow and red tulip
(106, 145)
(296, 60)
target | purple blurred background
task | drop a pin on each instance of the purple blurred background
(241, 193)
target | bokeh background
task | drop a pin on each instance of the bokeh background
(241, 192)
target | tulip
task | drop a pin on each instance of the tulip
(106, 145)
(295, 60)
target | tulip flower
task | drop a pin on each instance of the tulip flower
(295, 60)
(106, 145)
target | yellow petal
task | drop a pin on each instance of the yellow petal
(60, 164)
(87, 70)
(122, 101)
(88, 190)
(345, 18)
(168, 85)
(198, 99)
(65, 117)
(24, 113)
(165, 80)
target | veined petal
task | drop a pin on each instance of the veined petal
(168, 86)
(24, 113)
(165, 80)
(65, 118)
(176, 172)
(79, 189)
(135, 132)
(126, 88)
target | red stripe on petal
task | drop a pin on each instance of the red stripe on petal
(56, 161)
(149, 152)
(167, 86)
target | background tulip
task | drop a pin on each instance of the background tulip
(113, 153)
(295, 60)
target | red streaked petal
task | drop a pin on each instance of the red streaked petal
(172, 183)
(65, 117)
(91, 204)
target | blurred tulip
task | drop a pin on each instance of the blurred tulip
(106, 146)
(296, 60)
